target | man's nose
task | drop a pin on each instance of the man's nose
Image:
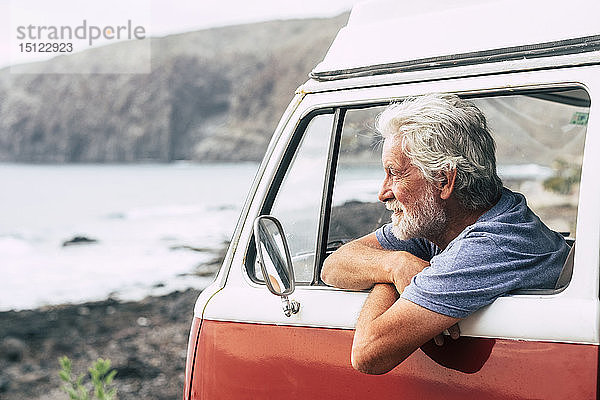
(385, 193)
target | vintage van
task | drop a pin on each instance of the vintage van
(533, 67)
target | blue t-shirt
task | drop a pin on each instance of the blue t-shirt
(506, 249)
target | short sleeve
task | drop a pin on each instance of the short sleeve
(418, 247)
(470, 274)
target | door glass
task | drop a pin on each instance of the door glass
(355, 209)
(298, 202)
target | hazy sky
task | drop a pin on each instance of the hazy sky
(160, 17)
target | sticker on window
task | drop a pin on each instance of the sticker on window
(579, 118)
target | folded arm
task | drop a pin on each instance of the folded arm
(363, 262)
(389, 329)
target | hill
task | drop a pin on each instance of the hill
(211, 95)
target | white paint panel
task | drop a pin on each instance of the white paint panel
(546, 318)
(389, 31)
(569, 316)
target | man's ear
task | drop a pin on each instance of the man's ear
(447, 184)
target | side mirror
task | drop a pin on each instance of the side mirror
(275, 262)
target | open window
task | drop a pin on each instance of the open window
(539, 138)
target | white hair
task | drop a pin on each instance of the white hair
(443, 132)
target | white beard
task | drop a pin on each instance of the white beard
(426, 218)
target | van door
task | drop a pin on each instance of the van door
(323, 189)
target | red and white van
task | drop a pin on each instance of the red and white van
(533, 67)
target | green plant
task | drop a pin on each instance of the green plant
(101, 377)
(566, 176)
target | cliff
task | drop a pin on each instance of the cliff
(211, 95)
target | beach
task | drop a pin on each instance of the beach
(145, 340)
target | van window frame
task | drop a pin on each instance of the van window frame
(278, 178)
(546, 92)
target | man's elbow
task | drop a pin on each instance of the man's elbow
(367, 362)
(328, 272)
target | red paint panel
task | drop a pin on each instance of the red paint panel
(249, 361)
(191, 355)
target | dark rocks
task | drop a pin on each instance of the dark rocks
(188, 247)
(137, 368)
(210, 267)
(354, 219)
(78, 240)
(145, 341)
(12, 349)
(4, 383)
(207, 269)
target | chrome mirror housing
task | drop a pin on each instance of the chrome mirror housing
(273, 256)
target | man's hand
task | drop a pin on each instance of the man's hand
(453, 331)
(363, 262)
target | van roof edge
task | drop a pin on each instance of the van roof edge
(550, 49)
(384, 34)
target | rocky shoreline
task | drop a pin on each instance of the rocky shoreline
(145, 340)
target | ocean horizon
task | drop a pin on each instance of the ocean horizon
(145, 224)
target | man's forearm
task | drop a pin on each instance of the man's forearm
(381, 298)
(389, 329)
(357, 266)
(362, 263)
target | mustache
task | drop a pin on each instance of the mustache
(394, 205)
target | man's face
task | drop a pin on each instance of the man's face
(416, 206)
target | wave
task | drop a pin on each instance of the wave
(175, 210)
(159, 211)
(14, 245)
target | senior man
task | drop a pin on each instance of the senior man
(457, 239)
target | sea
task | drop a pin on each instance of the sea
(150, 226)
